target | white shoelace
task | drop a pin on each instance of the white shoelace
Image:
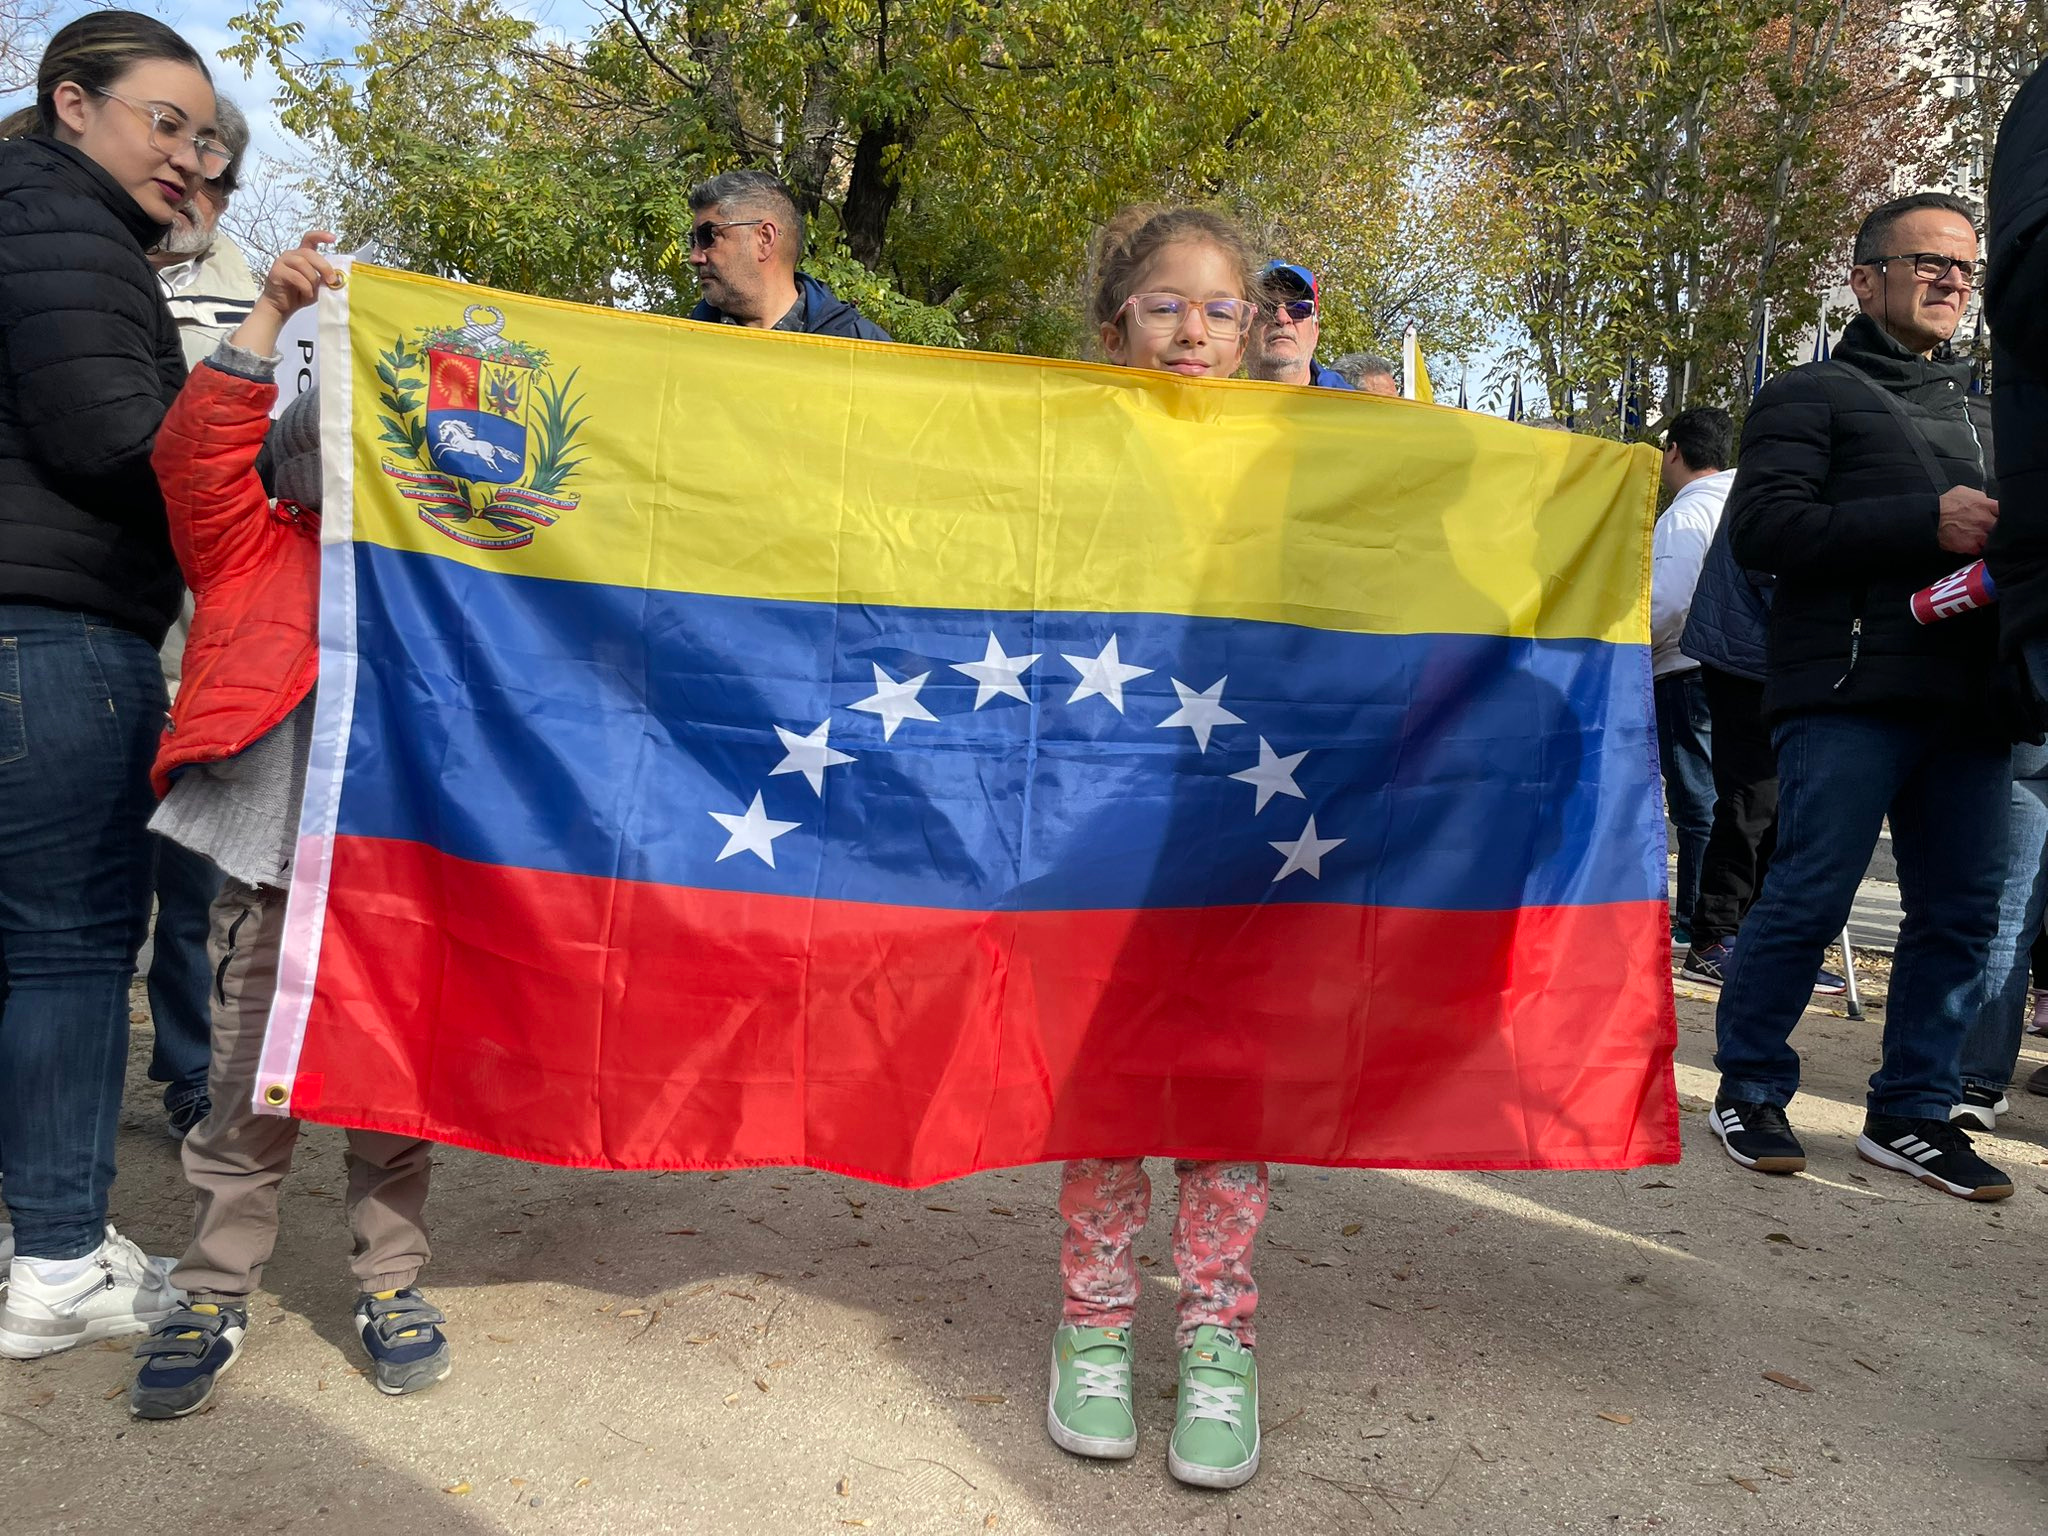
(1223, 1404)
(1112, 1380)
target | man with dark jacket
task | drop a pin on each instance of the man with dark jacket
(1861, 482)
(746, 239)
(2016, 303)
(1283, 342)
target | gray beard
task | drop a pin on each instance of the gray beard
(194, 240)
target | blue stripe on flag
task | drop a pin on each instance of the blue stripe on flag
(601, 730)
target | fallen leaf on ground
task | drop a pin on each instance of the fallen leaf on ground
(1657, 1184)
(1000, 1210)
(708, 1285)
(990, 1398)
(946, 1208)
(456, 1488)
(743, 1295)
(1619, 1418)
(1790, 1383)
(776, 1365)
(761, 1382)
(700, 1338)
(582, 1482)
(517, 1482)
(1743, 1482)
(498, 1338)
(1784, 1472)
(607, 1306)
(1866, 1365)
(680, 1232)
(990, 1521)
(510, 1231)
(844, 1487)
(1783, 1237)
(731, 1398)
(1352, 1229)
(111, 1393)
(42, 1399)
(857, 1522)
(634, 1312)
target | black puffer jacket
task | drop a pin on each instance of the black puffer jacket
(89, 362)
(1833, 501)
(2016, 300)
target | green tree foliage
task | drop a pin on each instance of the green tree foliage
(1680, 163)
(951, 155)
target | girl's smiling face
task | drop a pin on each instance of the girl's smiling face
(1194, 345)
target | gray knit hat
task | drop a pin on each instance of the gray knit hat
(290, 460)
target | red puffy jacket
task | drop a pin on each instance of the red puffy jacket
(254, 570)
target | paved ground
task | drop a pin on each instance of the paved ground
(1677, 1349)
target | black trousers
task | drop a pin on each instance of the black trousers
(1745, 829)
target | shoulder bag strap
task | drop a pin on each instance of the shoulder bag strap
(1928, 462)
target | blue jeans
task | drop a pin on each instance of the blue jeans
(81, 707)
(1991, 1050)
(1685, 756)
(179, 976)
(1839, 776)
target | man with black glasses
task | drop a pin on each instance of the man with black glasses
(1862, 481)
(746, 238)
(1283, 349)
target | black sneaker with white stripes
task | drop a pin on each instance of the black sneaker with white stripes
(1936, 1152)
(1757, 1136)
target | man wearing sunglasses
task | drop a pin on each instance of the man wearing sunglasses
(1862, 480)
(1283, 348)
(746, 238)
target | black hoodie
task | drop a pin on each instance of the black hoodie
(2016, 304)
(89, 362)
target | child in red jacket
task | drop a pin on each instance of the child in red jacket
(231, 771)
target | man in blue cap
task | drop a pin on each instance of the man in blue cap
(1283, 349)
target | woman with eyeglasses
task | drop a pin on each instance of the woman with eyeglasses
(121, 133)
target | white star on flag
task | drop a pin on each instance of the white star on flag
(1306, 853)
(1105, 674)
(1201, 712)
(809, 756)
(1274, 775)
(895, 702)
(753, 833)
(997, 674)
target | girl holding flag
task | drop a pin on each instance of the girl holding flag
(1171, 291)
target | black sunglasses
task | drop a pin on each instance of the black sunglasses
(705, 235)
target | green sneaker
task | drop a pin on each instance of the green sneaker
(1088, 1410)
(1216, 1425)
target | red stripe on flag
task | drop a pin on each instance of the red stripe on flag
(598, 1023)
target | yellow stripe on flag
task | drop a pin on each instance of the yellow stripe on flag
(757, 464)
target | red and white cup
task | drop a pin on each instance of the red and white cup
(1963, 591)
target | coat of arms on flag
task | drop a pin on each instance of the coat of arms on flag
(487, 460)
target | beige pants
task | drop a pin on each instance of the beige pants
(235, 1159)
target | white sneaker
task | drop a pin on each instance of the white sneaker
(122, 1290)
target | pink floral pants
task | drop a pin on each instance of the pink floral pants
(1105, 1201)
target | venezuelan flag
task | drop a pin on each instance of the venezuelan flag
(743, 748)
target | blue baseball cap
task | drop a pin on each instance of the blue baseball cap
(1290, 280)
